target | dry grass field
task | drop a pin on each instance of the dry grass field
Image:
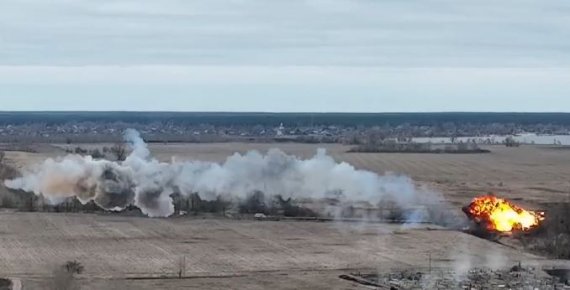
(303, 255)
(531, 173)
(125, 252)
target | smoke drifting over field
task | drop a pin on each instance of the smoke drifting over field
(143, 181)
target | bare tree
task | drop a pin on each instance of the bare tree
(74, 267)
(511, 142)
(120, 151)
(376, 136)
(6, 171)
(96, 154)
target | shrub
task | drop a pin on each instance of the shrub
(74, 267)
(96, 154)
(79, 150)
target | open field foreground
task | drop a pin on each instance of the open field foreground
(121, 252)
(243, 254)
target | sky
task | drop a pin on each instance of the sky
(285, 56)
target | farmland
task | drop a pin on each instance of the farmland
(532, 173)
(307, 255)
(219, 253)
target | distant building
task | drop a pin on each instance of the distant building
(280, 130)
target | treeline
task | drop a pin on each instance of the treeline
(391, 146)
(256, 203)
(274, 119)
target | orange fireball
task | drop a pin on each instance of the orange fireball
(502, 216)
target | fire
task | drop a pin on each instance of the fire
(502, 216)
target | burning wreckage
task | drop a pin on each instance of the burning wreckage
(494, 217)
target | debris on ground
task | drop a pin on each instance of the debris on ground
(516, 277)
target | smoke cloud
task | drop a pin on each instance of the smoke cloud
(145, 182)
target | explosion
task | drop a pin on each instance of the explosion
(500, 215)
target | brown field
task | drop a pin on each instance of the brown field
(220, 252)
(531, 173)
(119, 251)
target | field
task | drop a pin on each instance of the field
(533, 174)
(301, 255)
(123, 252)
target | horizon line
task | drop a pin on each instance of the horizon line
(282, 112)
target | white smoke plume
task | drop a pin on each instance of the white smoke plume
(143, 181)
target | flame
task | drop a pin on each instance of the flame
(500, 215)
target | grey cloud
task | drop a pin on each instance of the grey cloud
(260, 32)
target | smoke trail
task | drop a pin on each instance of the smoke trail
(148, 184)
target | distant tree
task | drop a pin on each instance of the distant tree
(97, 154)
(2, 155)
(7, 202)
(511, 142)
(74, 267)
(79, 150)
(291, 209)
(120, 151)
(376, 136)
(255, 203)
(354, 140)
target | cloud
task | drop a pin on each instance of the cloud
(297, 55)
(411, 33)
(292, 88)
(270, 75)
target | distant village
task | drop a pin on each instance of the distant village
(85, 132)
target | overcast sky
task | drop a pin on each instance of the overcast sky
(287, 55)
